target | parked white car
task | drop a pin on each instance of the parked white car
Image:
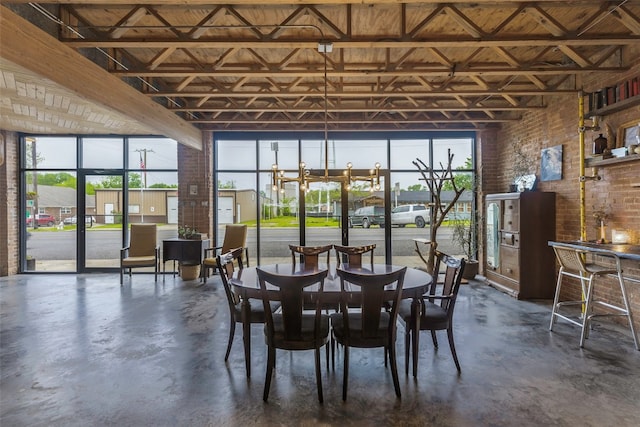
(74, 220)
(410, 214)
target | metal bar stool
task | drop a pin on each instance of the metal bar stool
(572, 264)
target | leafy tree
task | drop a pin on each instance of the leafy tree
(462, 180)
(226, 184)
(416, 187)
(61, 179)
(163, 185)
(115, 181)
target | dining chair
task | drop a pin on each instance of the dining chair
(291, 327)
(225, 263)
(435, 312)
(235, 236)
(369, 325)
(353, 255)
(310, 254)
(143, 250)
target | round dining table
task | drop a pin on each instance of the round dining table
(246, 286)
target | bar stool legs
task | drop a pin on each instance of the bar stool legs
(620, 311)
(572, 265)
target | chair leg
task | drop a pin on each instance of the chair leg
(394, 368)
(407, 343)
(625, 299)
(246, 338)
(121, 275)
(452, 346)
(319, 375)
(434, 339)
(586, 321)
(556, 299)
(232, 331)
(414, 351)
(345, 376)
(271, 359)
(326, 347)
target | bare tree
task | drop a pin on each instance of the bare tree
(435, 180)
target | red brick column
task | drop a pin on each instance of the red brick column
(195, 184)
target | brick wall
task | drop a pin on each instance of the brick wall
(9, 205)
(558, 125)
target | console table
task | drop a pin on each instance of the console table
(187, 252)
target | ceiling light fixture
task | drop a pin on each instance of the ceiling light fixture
(305, 176)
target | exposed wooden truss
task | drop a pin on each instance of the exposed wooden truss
(394, 64)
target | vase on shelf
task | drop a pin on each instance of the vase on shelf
(599, 145)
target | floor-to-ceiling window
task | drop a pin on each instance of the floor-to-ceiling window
(80, 193)
(281, 215)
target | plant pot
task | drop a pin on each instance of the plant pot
(189, 272)
(471, 268)
(31, 264)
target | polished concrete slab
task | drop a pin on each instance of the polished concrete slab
(79, 350)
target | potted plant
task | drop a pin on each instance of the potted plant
(465, 236)
(186, 232)
(521, 165)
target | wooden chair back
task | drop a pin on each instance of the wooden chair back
(353, 255)
(451, 284)
(373, 298)
(289, 290)
(226, 266)
(310, 254)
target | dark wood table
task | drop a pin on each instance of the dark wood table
(245, 282)
(185, 251)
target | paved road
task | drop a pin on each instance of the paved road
(105, 244)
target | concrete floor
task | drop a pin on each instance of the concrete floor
(79, 350)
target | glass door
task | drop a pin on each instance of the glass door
(323, 208)
(333, 215)
(99, 221)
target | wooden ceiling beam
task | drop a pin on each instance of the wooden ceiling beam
(372, 71)
(359, 43)
(28, 46)
(495, 3)
(344, 109)
(359, 94)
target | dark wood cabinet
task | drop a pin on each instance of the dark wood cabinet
(519, 260)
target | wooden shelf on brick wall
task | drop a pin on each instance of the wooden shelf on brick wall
(615, 107)
(590, 163)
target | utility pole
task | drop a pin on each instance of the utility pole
(143, 165)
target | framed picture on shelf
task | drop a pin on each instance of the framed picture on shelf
(629, 134)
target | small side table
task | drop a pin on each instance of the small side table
(187, 252)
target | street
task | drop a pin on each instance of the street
(105, 244)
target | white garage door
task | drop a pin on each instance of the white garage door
(225, 210)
